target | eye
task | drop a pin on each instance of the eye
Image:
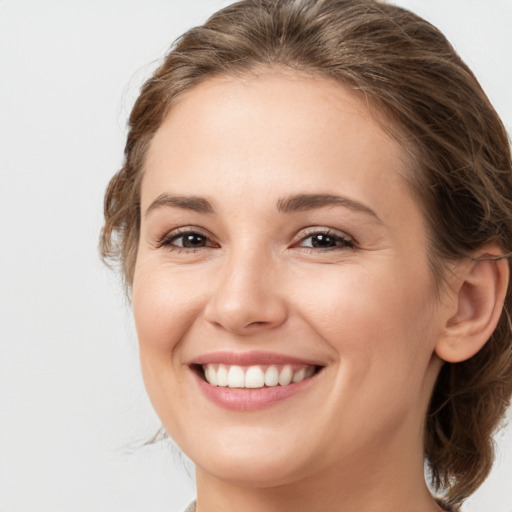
(185, 240)
(326, 240)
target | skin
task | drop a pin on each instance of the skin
(366, 310)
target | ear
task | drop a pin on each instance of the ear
(475, 304)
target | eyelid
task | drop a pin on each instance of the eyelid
(323, 230)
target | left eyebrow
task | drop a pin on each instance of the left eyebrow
(303, 202)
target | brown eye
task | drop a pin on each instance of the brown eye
(185, 240)
(190, 240)
(323, 241)
(326, 241)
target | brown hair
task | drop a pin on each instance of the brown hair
(461, 168)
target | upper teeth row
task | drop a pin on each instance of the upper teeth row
(254, 376)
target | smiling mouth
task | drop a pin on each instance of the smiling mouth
(255, 376)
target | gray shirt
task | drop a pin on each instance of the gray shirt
(191, 507)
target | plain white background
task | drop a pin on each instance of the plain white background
(71, 397)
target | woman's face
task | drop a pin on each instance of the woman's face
(280, 240)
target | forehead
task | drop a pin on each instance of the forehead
(269, 132)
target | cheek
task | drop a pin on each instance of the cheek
(382, 330)
(371, 311)
(164, 307)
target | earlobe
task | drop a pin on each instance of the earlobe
(479, 293)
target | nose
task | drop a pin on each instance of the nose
(247, 297)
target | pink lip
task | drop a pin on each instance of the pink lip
(237, 399)
(251, 358)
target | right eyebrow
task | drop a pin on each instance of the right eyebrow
(194, 203)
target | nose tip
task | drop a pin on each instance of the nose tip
(244, 301)
(237, 318)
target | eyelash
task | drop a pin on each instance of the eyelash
(343, 242)
(169, 239)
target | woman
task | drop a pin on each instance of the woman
(314, 219)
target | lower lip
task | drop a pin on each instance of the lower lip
(244, 399)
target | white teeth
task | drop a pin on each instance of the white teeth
(211, 376)
(254, 377)
(298, 376)
(286, 375)
(222, 375)
(271, 376)
(236, 377)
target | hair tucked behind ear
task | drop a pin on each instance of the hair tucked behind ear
(460, 170)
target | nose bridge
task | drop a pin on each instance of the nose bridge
(246, 296)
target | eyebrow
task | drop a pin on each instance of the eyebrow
(290, 204)
(194, 203)
(304, 202)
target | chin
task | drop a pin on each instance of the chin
(255, 462)
(253, 472)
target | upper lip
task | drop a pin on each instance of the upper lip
(251, 358)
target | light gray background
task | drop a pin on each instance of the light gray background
(71, 397)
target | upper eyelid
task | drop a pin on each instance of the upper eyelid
(184, 230)
(313, 230)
